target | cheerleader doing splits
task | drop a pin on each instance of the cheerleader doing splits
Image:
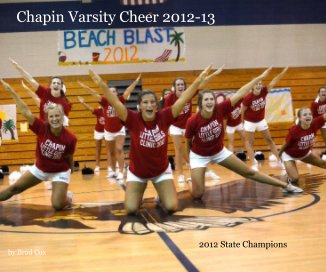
(149, 140)
(205, 136)
(54, 154)
(299, 142)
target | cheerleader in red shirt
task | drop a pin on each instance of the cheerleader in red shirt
(205, 136)
(318, 108)
(177, 129)
(98, 132)
(234, 124)
(253, 111)
(54, 94)
(54, 154)
(114, 130)
(299, 142)
(148, 143)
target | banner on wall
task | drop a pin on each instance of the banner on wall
(278, 107)
(8, 123)
(120, 46)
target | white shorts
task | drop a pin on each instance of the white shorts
(166, 175)
(286, 157)
(324, 126)
(198, 161)
(232, 130)
(55, 177)
(110, 136)
(176, 131)
(98, 135)
(252, 127)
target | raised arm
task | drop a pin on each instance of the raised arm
(113, 99)
(276, 79)
(91, 90)
(33, 95)
(130, 89)
(25, 75)
(22, 107)
(244, 90)
(209, 77)
(189, 92)
(82, 101)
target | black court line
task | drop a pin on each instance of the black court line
(315, 201)
(187, 264)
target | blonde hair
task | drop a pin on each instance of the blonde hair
(53, 106)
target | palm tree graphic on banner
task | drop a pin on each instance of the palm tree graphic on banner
(177, 40)
(9, 125)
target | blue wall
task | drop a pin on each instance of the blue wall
(226, 12)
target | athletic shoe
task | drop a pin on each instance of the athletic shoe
(272, 157)
(254, 167)
(97, 169)
(211, 174)
(292, 189)
(111, 174)
(119, 176)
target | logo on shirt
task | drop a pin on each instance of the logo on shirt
(321, 109)
(236, 113)
(258, 104)
(306, 141)
(152, 138)
(110, 112)
(210, 132)
(52, 150)
(185, 109)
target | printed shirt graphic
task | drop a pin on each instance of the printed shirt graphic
(149, 143)
(181, 120)
(46, 97)
(112, 121)
(207, 135)
(318, 108)
(255, 106)
(51, 151)
(300, 141)
(100, 120)
(234, 118)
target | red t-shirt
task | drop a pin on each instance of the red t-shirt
(318, 108)
(100, 120)
(300, 141)
(46, 97)
(51, 150)
(112, 121)
(255, 106)
(149, 143)
(207, 135)
(234, 118)
(181, 120)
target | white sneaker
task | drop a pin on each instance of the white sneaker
(119, 176)
(97, 169)
(272, 157)
(111, 174)
(292, 189)
(211, 174)
(324, 157)
(254, 167)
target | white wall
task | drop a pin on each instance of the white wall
(235, 46)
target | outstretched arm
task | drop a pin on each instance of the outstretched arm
(25, 75)
(113, 99)
(92, 91)
(23, 108)
(276, 79)
(82, 101)
(189, 92)
(35, 98)
(129, 90)
(246, 88)
(209, 77)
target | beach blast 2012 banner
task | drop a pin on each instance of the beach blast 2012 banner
(117, 46)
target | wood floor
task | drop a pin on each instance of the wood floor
(239, 226)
